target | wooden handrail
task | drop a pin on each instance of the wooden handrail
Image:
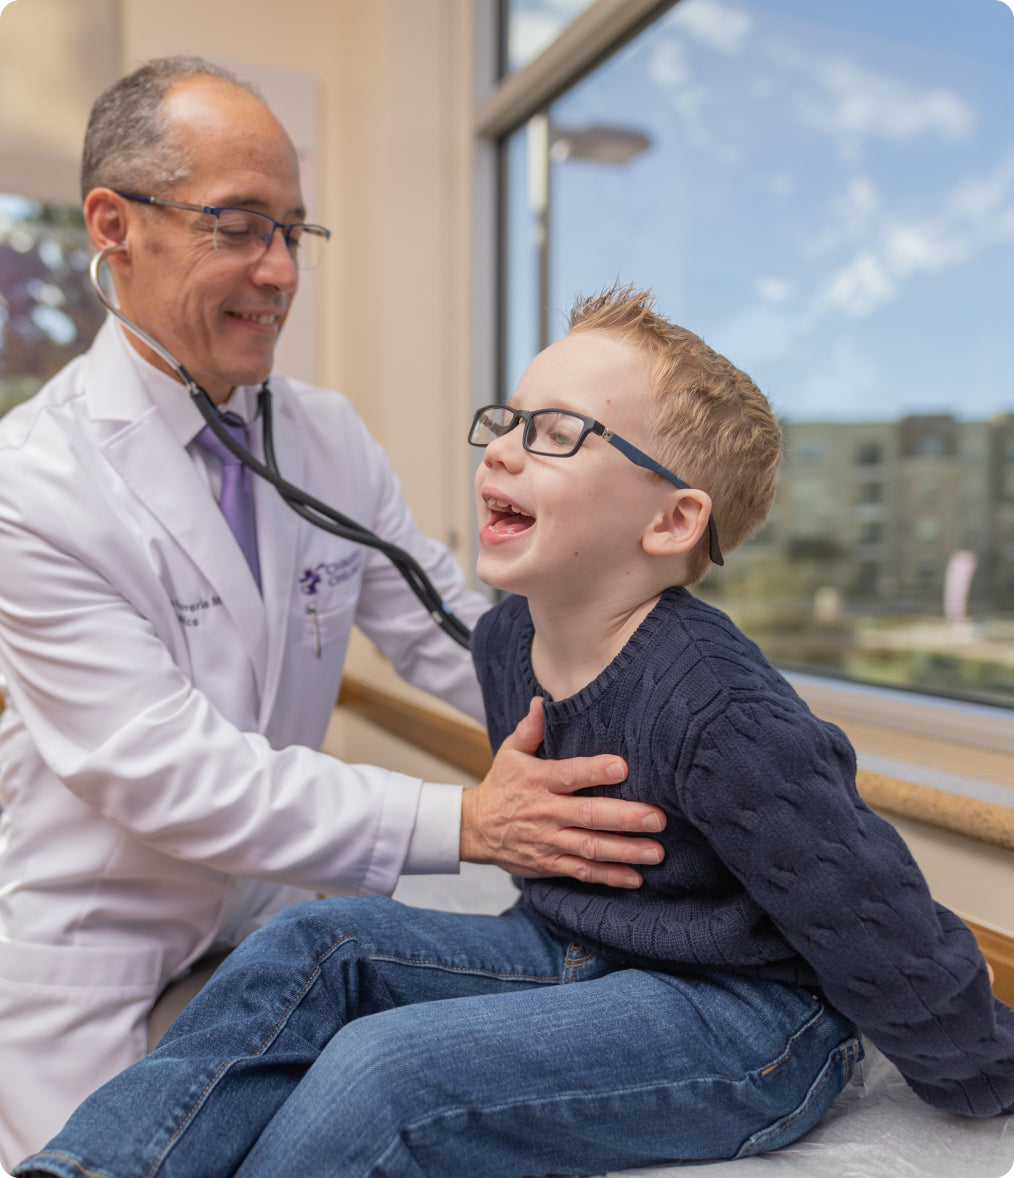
(458, 742)
(464, 745)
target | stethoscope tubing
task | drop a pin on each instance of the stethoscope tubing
(314, 511)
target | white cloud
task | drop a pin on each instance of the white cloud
(914, 249)
(719, 26)
(667, 64)
(857, 205)
(669, 70)
(854, 215)
(985, 196)
(773, 290)
(977, 215)
(861, 286)
(854, 104)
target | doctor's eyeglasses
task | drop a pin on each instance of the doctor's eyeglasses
(248, 235)
(558, 433)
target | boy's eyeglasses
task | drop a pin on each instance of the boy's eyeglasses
(248, 235)
(558, 433)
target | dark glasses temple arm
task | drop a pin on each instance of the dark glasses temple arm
(639, 458)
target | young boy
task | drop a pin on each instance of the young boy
(707, 1014)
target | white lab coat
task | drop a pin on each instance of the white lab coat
(160, 786)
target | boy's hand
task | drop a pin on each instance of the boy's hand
(522, 818)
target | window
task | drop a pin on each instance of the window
(54, 59)
(48, 311)
(825, 194)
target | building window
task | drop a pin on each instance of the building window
(828, 201)
(809, 453)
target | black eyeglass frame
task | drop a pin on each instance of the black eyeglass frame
(317, 231)
(588, 426)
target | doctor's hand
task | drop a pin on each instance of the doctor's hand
(522, 818)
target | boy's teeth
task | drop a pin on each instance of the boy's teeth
(501, 505)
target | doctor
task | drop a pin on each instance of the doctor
(160, 786)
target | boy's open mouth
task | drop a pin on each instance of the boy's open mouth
(505, 518)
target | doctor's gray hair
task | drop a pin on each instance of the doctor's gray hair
(128, 143)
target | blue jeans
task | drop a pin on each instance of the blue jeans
(358, 1037)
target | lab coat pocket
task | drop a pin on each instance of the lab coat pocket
(120, 967)
(70, 1019)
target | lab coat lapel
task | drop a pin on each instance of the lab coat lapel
(278, 533)
(161, 474)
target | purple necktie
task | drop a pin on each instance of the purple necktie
(236, 499)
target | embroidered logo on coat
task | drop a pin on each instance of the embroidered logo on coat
(329, 573)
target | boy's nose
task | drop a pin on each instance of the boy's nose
(506, 450)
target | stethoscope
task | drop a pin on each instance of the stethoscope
(320, 514)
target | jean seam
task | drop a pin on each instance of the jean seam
(477, 970)
(786, 1053)
(314, 975)
(577, 956)
(434, 1117)
(841, 1055)
(75, 1162)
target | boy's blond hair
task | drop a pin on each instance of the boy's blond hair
(712, 426)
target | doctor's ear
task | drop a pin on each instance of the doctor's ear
(678, 529)
(105, 217)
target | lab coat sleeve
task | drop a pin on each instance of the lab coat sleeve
(120, 724)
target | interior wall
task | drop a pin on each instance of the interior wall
(55, 56)
(392, 80)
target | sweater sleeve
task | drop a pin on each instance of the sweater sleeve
(774, 792)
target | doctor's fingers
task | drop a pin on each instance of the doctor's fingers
(582, 840)
(527, 830)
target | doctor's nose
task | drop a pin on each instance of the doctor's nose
(276, 266)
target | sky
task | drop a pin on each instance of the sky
(828, 197)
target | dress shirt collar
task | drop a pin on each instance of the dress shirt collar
(173, 401)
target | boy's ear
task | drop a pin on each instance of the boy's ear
(678, 529)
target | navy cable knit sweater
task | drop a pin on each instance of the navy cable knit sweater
(774, 865)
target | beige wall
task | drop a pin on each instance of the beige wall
(55, 56)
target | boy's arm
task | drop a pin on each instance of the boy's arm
(775, 795)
